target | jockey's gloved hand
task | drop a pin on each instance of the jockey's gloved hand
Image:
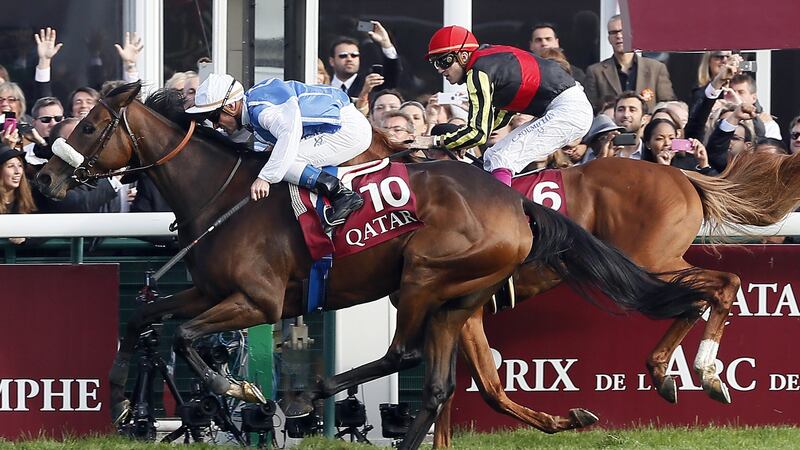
(423, 142)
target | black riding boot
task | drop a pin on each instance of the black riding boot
(343, 200)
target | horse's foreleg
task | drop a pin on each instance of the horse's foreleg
(404, 352)
(725, 285)
(185, 304)
(234, 313)
(442, 431)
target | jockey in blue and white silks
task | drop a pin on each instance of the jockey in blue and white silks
(309, 127)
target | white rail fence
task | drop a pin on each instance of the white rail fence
(157, 224)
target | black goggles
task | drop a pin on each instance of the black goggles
(443, 62)
(213, 116)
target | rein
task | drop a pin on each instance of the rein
(186, 249)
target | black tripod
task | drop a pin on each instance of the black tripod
(196, 414)
(142, 423)
(352, 414)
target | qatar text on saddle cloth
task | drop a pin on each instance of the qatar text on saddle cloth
(389, 210)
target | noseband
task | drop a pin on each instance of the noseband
(82, 171)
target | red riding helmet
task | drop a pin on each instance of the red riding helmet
(451, 39)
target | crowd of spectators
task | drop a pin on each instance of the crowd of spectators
(637, 113)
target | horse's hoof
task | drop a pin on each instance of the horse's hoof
(719, 391)
(252, 393)
(669, 390)
(583, 417)
(299, 406)
(120, 412)
(246, 391)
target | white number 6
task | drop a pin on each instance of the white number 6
(540, 195)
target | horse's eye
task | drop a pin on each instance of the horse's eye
(88, 129)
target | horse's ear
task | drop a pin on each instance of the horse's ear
(124, 95)
(132, 94)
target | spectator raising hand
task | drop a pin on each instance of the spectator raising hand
(379, 35)
(129, 53)
(701, 155)
(726, 72)
(46, 47)
(10, 138)
(605, 144)
(370, 82)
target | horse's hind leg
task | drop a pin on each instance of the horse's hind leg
(234, 313)
(721, 288)
(659, 358)
(725, 286)
(440, 370)
(475, 348)
(184, 304)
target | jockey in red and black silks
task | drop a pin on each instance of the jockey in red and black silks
(502, 81)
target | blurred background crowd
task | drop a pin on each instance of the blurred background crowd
(690, 110)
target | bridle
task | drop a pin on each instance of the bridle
(82, 174)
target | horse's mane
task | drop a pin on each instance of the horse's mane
(169, 103)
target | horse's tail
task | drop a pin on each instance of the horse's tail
(755, 189)
(585, 262)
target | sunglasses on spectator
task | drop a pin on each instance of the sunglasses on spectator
(795, 135)
(344, 55)
(47, 119)
(445, 61)
(9, 99)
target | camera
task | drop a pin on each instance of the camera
(364, 25)
(257, 418)
(395, 419)
(300, 427)
(213, 353)
(198, 412)
(350, 412)
(625, 139)
(749, 66)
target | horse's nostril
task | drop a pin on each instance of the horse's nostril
(43, 179)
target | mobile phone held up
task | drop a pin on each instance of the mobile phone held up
(10, 122)
(376, 68)
(749, 66)
(625, 139)
(682, 145)
(449, 98)
(364, 25)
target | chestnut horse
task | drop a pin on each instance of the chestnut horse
(250, 270)
(652, 213)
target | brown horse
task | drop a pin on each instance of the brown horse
(652, 213)
(250, 270)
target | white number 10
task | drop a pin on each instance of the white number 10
(384, 194)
